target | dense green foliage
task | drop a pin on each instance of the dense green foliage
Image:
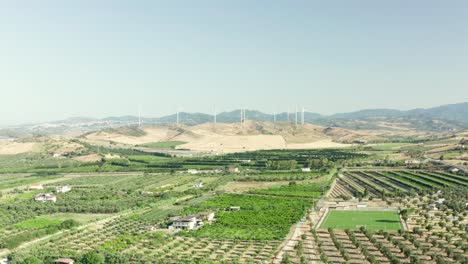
(260, 218)
(295, 190)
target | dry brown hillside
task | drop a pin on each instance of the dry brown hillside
(251, 135)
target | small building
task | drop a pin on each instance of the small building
(45, 197)
(191, 221)
(454, 170)
(36, 186)
(233, 169)
(192, 171)
(432, 207)
(234, 208)
(305, 169)
(412, 162)
(64, 261)
(198, 184)
(188, 222)
(440, 201)
(57, 155)
(62, 189)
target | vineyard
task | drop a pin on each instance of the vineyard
(393, 182)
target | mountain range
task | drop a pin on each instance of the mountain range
(452, 112)
(441, 118)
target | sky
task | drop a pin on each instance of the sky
(91, 58)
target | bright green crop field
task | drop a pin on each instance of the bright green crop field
(373, 220)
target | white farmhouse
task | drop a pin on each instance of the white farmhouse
(305, 169)
(188, 222)
(45, 197)
(62, 189)
(191, 221)
(412, 162)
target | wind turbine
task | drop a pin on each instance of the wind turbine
(139, 116)
(296, 115)
(177, 115)
(302, 121)
(242, 115)
(214, 114)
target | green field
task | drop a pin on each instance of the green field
(164, 144)
(37, 223)
(373, 220)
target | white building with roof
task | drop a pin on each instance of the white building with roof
(45, 197)
(62, 189)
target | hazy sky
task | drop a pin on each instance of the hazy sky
(99, 58)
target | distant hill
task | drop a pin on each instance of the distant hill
(441, 118)
(368, 113)
(455, 112)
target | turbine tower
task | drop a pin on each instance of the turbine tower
(296, 115)
(139, 116)
(302, 117)
(242, 116)
(214, 114)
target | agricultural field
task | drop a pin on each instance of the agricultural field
(123, 216)
(358, 183)
(164, 144)
(426, 235)
(354, 219)
(132, 160)
(260, 217)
